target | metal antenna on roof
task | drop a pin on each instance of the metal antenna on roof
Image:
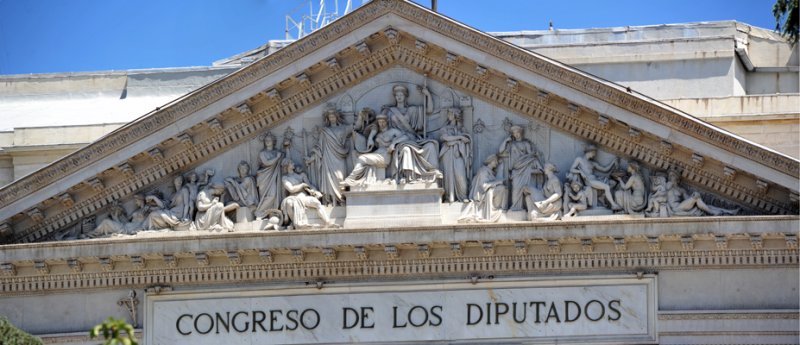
(300, 25)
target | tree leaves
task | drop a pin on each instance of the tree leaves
(786, 19)
(115, 332)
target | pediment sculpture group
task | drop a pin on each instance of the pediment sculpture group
(395, 146)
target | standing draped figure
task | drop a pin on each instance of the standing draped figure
(268, 178)
(191, 188)
(330, 156)
(455, 158)
(521, 162)
(180, 200)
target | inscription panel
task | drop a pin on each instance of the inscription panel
(619, 310)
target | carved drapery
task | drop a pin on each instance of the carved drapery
(295, 97)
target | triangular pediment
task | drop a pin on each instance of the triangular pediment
(356, 58)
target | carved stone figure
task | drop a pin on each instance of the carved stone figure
(180, 201)
(119, 223)
(268, 177)
(160, 216)
(576, 199)
(630, 194)
(681, 203)
(242, 189)
(115, 224)
(329, 156)
(192, 189)
(551, 203)
(395, 147)
(583, 168)
(211, 210)
(301, 196)
(487, 194)
(520, 163)
(405, 117)
(657, 201)
(415, 161)
(273, 220)
(454, 158)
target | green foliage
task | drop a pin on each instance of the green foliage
(10, 335)
(786, 19)
(115, 332)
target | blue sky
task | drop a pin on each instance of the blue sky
(44, 36)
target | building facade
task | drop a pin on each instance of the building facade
(398, 177)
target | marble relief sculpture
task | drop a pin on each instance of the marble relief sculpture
(548, 203)
(119, 223)
(370, 167)
(329, 156)
(395, 149)
(657, 200)
(211, 210)
(242, 189)
(520, 162)
(455, 158)
(160, 216)
(192, 188)
(583, 168)
(268, 177)
(488, 194)
(630, 195)
(402, 144)
(406, 117)
(301, 196)
(576, 200)
(681, 203)
(180, 200)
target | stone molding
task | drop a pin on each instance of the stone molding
(610, 93)
(189, 273)
(245, 129)
(549, 112)
(738, 315)
(268, 111)
(180, 108)
(350, 255)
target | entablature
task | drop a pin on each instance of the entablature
(376, 37)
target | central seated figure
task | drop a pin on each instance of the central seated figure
(399, 148)
(397, 169)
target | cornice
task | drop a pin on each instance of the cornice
(626, 246)
(735, 315)
(605, 91)
(270, 111)
(183, 106)
(297, 265)
(352, 65)
(584, 123)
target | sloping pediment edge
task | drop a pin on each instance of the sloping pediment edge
(375, 53)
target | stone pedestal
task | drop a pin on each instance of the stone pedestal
(244, 214)
(392, 205)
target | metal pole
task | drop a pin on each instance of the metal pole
(433, 5)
